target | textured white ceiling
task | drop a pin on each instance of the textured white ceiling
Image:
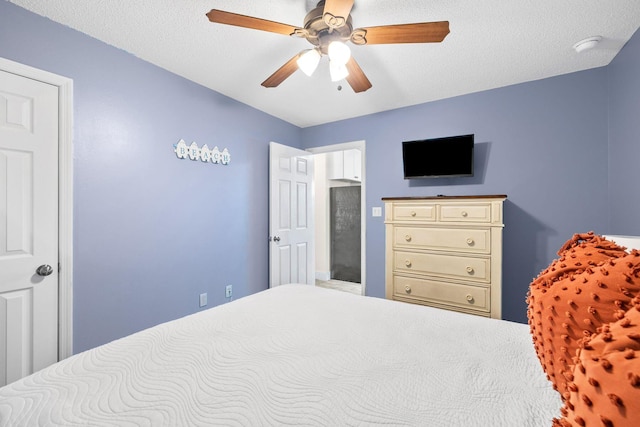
(493, 43)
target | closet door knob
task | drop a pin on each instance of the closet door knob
(44, 270)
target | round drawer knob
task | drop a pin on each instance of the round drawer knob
(413, 213)
(407, 289)
(469, 298)
(407, 237)
(470, 270)
(470, 241)
(407, 263)
(464, 214)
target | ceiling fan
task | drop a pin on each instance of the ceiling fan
(328, 27)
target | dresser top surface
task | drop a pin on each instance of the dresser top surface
(443, 197)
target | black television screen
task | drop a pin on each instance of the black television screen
(438, 157)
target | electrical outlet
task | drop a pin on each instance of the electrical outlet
(228, 291)
(203, 299)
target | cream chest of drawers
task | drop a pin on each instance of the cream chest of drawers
(445, 252)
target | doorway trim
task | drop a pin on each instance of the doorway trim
(65, 196)
(360, 145)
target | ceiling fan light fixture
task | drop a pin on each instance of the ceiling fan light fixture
(337, 71)
(308, 61)
(339, 52)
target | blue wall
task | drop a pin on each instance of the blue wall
(624, 138)
(152, 232)
(543, 144)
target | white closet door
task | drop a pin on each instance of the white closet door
(28, 226)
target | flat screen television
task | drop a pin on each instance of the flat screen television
(438, 157)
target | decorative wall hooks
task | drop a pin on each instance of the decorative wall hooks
(204, 153)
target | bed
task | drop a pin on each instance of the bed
(298, 355)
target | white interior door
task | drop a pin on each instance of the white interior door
(28, 226)
(291, 225)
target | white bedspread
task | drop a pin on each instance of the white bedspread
(298, 355)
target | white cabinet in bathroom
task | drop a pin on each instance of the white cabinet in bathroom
(345, 165)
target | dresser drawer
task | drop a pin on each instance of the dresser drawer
(467, 297)
(457, 267)
(414, 212)
(472, 212)
(472, 240)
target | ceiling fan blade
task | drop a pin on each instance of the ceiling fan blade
(356, 78)
(282, 73)
(336, 12)
(229, 18)
(425, 32)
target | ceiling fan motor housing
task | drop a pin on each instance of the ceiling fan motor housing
(320, 33)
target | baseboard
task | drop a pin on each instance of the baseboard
(323, 275)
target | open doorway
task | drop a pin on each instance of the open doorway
(340, 218)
